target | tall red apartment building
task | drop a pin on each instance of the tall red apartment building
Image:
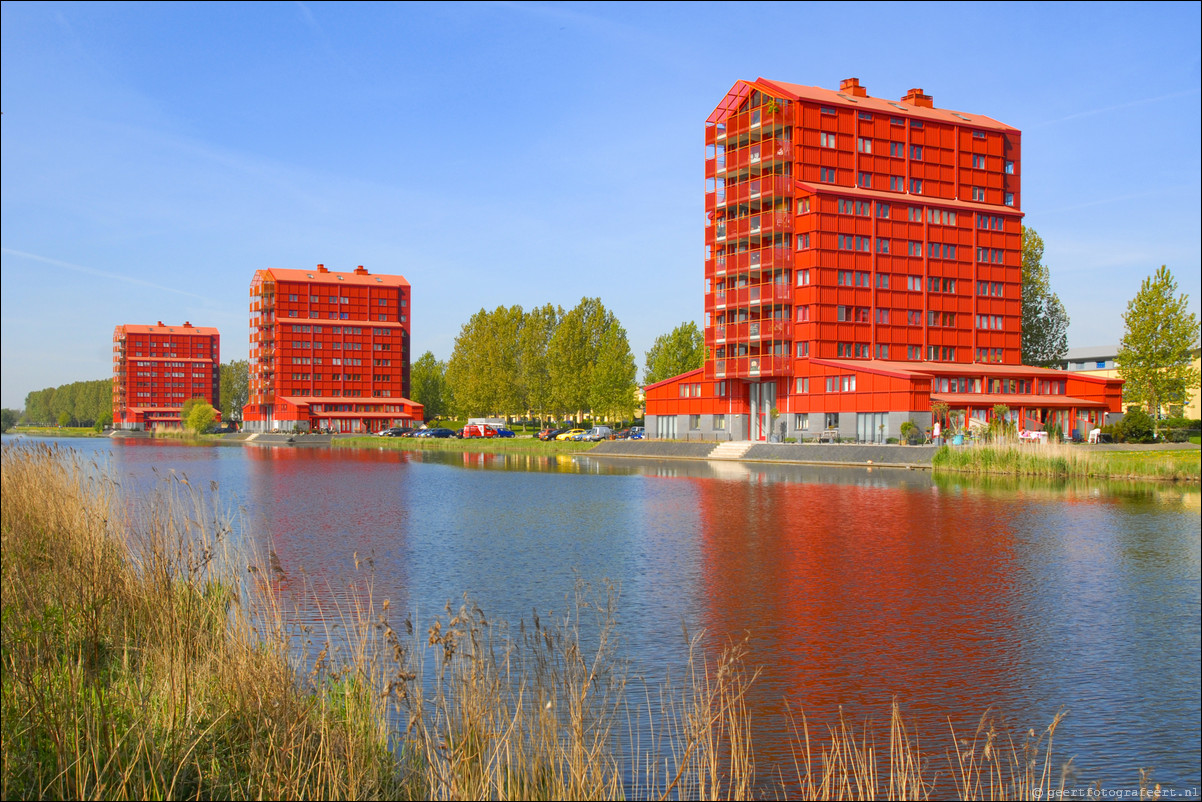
(157, 368)
(862, 261)
(329, 351)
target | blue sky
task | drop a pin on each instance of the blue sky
(155, 156)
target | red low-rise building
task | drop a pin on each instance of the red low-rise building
(157, 368)
(863, 260)
(329, 351)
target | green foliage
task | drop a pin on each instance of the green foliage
(8, 419)
(612, 392)
(1137, 426)
(235, 388)
(484, 364)
(1045, 321)
(64, 418)
(428, 380)
(84, 402)
(537, 330)
(674, 353)
(1154, 354)
(200, 417)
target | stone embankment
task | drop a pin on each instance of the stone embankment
(885, 456)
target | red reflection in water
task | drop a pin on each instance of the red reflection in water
(324, 516)
(853, 594)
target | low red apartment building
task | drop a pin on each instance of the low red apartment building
(157, 368)
(863, 260)
(329, 351)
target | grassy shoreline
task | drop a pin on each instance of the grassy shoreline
(1065, 461)
(145, 656)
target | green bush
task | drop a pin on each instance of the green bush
(1138, 426)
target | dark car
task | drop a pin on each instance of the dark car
(397, 431)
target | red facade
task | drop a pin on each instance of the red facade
(157, 368)
(859, 254)
(329, 351)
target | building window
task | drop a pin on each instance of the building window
(803, 384)
(803, 242)
(801, 421)
(916, 152)
(846, 206)
(1009, 168)
(864, 145)
(978, 161)
(915, 186)
(979, 134)
(882, 246)
(882, 211)
(828, 110)
(978, 193)
(897, 149)
(803, 314)
(882, 351)
(827, 140)
(914, 283)
(865, 115)
(803, 349)
(864, 208)
(866, 180)
(803, 278)
(827, 175)
(719, 423)
(1009, 198)
(694, 423)
(882, 281)
(832, 420)
(843, 314)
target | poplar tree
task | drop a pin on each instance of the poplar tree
(428, 378)
(674, 353)
(1154, 354)
(1045, 321)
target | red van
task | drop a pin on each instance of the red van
(478, 430)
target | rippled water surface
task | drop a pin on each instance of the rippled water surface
(853, 586)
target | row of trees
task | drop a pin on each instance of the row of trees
(547, 362)
(87, 403)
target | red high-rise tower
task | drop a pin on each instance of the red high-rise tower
(329, 351)
(157, 368)
(863, 258)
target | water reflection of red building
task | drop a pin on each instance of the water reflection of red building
(325, 517)
(854, 594)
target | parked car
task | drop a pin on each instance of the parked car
(439, 433)
(475, 430)
(636, 433)
(570, 434)
(598, 433)
(396, 431)
(502, 432)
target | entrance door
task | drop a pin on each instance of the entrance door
(763, 399)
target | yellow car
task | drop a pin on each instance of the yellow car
(571, 434)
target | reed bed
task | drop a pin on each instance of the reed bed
(1063, 460)
(145, 656)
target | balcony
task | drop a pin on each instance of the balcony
(752, 366)
(760, 153)
(779, 258)
(764, 224)
(748, 191)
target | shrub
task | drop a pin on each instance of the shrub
(1138, 426)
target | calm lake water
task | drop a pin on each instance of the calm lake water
(854, 586)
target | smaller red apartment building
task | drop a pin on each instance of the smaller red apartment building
(157, 368)
(329, 351)
(863, 260)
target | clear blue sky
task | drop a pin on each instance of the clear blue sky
(155, 156)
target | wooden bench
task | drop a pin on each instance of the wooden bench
(829, 436)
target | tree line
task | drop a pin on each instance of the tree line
(547, 362)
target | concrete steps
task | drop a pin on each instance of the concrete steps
(734, 449)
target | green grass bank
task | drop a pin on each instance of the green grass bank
(1062, 460)
(145, 657)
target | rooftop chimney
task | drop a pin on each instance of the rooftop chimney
(851, 86)
(359, 271)
(915, 97)
(187, 325)
(160, 323)
(322, 269)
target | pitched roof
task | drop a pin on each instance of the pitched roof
(186, 328)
